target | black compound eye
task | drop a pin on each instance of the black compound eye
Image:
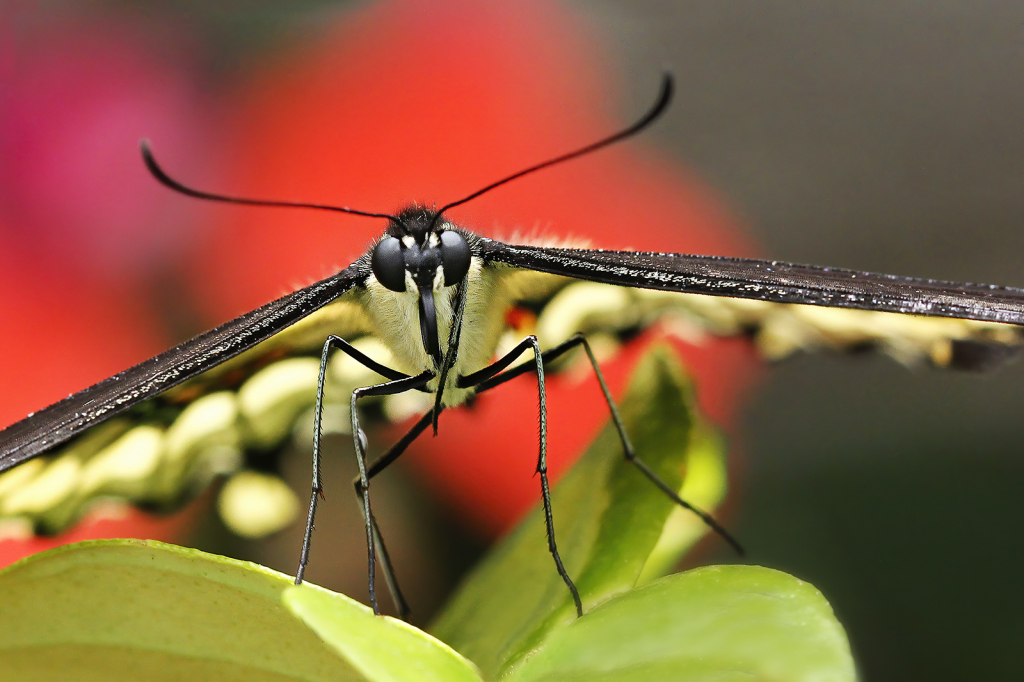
(454, 257)
(388, 264)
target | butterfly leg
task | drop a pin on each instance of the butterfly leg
(344, 346)
(379, 465)
(480, 377)
(386, 388)
(627, 447)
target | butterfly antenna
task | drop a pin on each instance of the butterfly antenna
(664, 97)
(168, 181)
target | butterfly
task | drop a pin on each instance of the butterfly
(434, 294)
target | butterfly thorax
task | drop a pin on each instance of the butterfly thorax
(420, 267)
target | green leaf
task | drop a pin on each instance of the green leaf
(704, 486)
(719, 623)
(380, 647)
(608, 519)
(134, 609)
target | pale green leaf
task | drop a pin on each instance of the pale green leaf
(382, 648)
(135, 609)
(717, 624)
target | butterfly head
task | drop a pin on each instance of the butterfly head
(423, 254)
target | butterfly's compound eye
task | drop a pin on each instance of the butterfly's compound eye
(454, 257)
(388, 264)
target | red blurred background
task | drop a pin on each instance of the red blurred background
(412, 101)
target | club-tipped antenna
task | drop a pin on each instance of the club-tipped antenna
(664, 97)
(168, 181)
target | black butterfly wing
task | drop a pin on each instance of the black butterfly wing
(768, 281)
(71, 416)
